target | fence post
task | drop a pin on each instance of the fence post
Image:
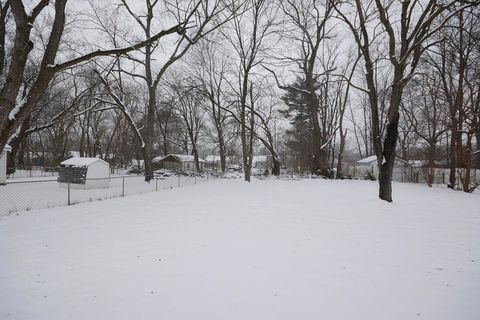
(123, 186)
(68, 188)
(156, 184)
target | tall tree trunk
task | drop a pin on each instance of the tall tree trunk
(343, 138)
(431, 163)
(195, 158)
(16, 143)
(453, 159)
(165, 146)
(477, 138)
(221, 150)
(275, 166)
(318, 161)
(390, 143)
(148, 136)
(468, 157)
(386, 169)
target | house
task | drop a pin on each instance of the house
(3, 164)
(213, 161)
(262, 162)
(403, 170)
(84, 173)
(181, 162)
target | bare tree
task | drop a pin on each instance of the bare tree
(190, 108)
(426, 113)
(205, 17)
(210, 79)
(250, 33)
(407, 35)
(14, 112)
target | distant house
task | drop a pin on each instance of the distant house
(3, 164)
(84, 173)
(178, 162)
(213, 161)
(403, 170)
(262, 162)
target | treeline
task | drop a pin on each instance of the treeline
(307, 82)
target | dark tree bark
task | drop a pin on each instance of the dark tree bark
(3, 19)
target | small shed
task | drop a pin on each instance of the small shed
(178, 162)
(3, 164)
(84, 173)
(367, 166)
(367, 162)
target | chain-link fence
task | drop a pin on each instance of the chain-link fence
(22, 173)
(409, 174)
(27, 194)
(413, 174)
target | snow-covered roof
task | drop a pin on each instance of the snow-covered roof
(82, 162)
(260, 158)
(368, 159)
(179, 157)
(7, 148)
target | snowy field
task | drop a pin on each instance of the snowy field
(295, 250)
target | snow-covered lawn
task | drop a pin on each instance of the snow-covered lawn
(294, 250)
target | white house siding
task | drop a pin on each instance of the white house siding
(3, 164)
(3, 167)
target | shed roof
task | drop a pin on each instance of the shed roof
(81, 161)
(368, 159)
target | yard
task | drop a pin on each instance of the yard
(309, 249)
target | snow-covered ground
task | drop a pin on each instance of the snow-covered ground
(311, 249)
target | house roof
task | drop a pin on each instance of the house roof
(368, 159)
(178, 157)
(7, 148)
(81, 162)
